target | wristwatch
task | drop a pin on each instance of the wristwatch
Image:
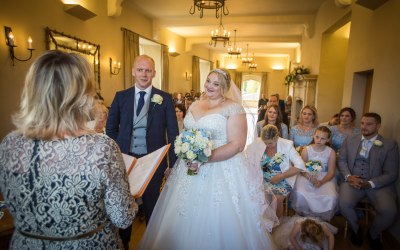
(347, 177)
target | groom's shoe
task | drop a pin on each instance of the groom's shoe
(375, 244)
(356, 238)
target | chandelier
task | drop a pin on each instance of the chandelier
(220, 35)
(234, 50)
(253, 66)
(247, 59)
(216, 5)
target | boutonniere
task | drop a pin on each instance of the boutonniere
(378, 143)
(157, 99)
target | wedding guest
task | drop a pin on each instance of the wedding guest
(180, 111)
(332, 122)
(188, 101)
(262, 101)
(370, 166)
(273, 116)
(65, 185)
(274, 100)
(315, 192)
(99, 118)
(304, 233)
(261, 113)
(288, 107)
(345, 128)
(179, 99)
(302, 133)
(279, 161)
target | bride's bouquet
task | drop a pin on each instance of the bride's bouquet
(193, 145)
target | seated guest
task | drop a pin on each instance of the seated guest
(332, 122)
(99, 118)
(180, 112)
(179, 99)
(315, 192)
(274, 116)
(188, 101)
(279, 161)
(369, 164)
(345, 128)
(288, 107)
(261, 113)
(65, 185)
(274, 100)
(263, 101)
(302, 133)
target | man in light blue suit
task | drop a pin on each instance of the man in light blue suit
(141, 120)
(369, 164)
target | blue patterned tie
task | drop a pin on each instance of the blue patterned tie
(140, 102)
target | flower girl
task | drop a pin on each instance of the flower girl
(315, 192)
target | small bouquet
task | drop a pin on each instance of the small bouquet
(193, 145)
(314, 167)
(276, 160)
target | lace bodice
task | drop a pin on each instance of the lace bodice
(214, 122)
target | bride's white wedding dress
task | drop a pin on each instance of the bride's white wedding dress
(220, 208)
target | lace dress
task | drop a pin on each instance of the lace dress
(338, 137)
(74, 186)
(300, 137)
(220, 208)
(318, 202)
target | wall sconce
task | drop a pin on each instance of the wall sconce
(188, 76)
(11, 45)
(115, 67)
(174, 54)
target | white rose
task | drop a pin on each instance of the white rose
(378, 143)
(157, 99)
(207, 152)
(185, 147)
(190, 155)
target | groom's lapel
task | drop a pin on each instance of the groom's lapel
(151, 108)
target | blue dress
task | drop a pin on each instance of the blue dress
(338, 137)
(269, 171)
(300, 137)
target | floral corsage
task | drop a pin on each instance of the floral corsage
(157, 99)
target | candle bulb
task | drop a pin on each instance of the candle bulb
(11, 39)
(29, 43)
(119, 65)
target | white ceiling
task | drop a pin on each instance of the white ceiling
(268, 26)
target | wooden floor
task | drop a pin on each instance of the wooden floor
(389, 243)
(139, 226)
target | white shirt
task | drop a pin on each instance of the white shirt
(146, 96)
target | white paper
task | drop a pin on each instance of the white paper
(142, 170)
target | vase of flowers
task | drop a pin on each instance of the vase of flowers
(291, 77)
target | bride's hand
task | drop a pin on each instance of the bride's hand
(194, 166)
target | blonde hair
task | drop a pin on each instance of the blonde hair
(269, 132)
(57, 97)
(312, 230)
(224, 77)
(313, 110)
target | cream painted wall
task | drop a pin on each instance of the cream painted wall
(331, 73)
(27, 18)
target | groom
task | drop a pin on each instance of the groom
(141, 120)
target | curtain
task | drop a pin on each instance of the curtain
(196, 74)
(131, 51)
(165, 68)
(238, 79)
(263, 89)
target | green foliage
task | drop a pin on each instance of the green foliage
(299, 70)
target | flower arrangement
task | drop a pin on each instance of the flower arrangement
(193, 145)
(299, 70)
(314, 166)
(378, 143)
(157, 99)
(276, 160)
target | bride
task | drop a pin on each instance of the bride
(223, 206)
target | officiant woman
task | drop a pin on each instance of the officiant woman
(64, 184)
